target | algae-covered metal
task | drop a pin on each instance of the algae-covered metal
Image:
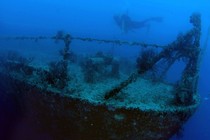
(64, 100)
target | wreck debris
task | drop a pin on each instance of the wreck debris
(186, 46)
(142, 110)
(100, 67)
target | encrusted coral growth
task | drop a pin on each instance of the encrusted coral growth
(188, 83)
(59, 36)
(99, 67)
(184, 47)
(58, 74)
(145, 60)
(14, 61)
(67, 41)
(69, 56)
(115, 69)
(66, 38)
(89, 71)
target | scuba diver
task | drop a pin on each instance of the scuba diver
(126, 24)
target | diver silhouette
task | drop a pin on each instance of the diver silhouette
(126, 24)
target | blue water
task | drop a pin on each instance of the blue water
(94, 18)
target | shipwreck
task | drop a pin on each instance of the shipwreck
(91, 99)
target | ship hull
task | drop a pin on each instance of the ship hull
(62, 117)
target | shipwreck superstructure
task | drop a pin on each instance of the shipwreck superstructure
(92, 99)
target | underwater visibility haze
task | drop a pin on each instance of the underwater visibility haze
(104, 70)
